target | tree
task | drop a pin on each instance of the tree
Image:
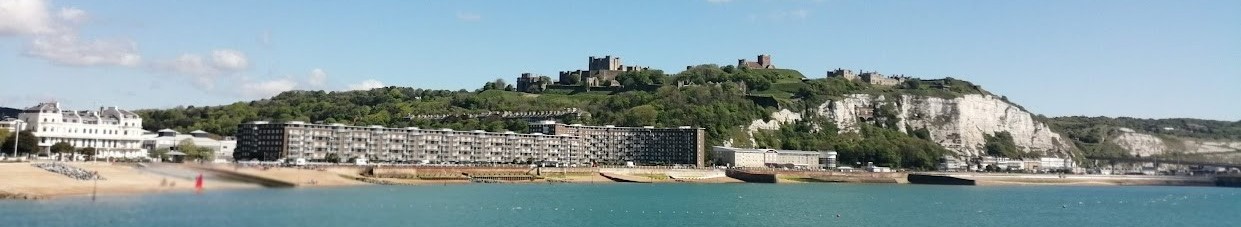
(28, 144)
(62, 147)
(160, 154)
(194, 152)
(89, 152)
(4, 133)
(1002, 145)
(332, 158)
(644, 115)
(573, 79)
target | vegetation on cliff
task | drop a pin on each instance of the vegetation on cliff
(1093, 134)
(723, 100)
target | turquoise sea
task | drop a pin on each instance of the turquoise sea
(647, 205)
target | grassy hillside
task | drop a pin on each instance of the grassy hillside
(9, 112)
(720, 99)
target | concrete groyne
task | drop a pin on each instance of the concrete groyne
(1228, 181)
(938, 179)
(752, 177)
(249, 178)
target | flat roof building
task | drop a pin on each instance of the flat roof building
(771, 158)
(222, 148)
(555, 143)
(646, 145)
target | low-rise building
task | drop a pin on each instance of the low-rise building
(1053, 164)
(952, 164)
(827, 159)
(11, 124)
(221, 148)
(771, 158)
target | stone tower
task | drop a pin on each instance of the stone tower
(604, 63)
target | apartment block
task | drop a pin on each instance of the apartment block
(550, 143)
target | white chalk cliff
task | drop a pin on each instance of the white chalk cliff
(1143, 144)
(958, 124)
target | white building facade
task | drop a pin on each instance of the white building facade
(11, 124)
(222, 148)
(745, 157)
(114, 133)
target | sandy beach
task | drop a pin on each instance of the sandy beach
(22, 179)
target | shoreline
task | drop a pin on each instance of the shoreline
(24, 181)
(988, 179)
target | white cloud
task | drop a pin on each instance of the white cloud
(317, 77)
(55, 37)
(468, 16)
(719, 1)
(366, 85)
(73, 15)
(205, 73)
(264, 89)
(66, 49)
(25, 17)
(229, 60)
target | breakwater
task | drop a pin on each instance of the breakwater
(938, 179)
(789, 176)
(249, 178)
(1053, 179)
(1228, 181)
(69, 171)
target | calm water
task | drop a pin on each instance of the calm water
(648, 205)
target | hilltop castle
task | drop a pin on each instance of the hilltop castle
(764, 62)
(600, 72)
(873, 78)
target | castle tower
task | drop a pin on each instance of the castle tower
(764, 60)
(604, 63)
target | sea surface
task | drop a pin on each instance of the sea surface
(647, 205)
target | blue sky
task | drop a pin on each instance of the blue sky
(1151, 59)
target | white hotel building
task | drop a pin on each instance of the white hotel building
(114, 133)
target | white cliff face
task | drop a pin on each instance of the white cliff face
(784, 116)
(958, 124)
(1144, 144)
(1140, 143)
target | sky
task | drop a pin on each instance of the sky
(1137, 58)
